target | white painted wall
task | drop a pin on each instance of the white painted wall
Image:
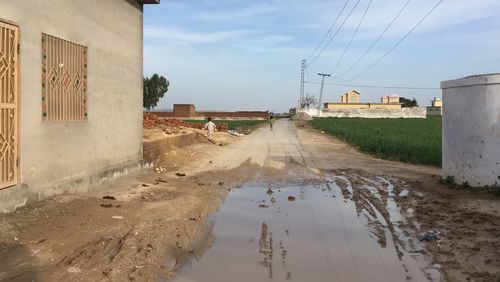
(52, 153)
(471, 129)
(416, 112)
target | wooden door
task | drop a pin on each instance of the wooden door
(9, 64)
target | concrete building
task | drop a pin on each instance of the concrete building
(437, 103)
(436, 108)
(471, 130)
(71, 95)
(352, 100)
(393, 98)
(352, 96)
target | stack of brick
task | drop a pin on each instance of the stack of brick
(150, 121)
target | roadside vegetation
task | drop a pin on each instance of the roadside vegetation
(416, 141)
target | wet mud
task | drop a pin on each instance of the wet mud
(342, 226)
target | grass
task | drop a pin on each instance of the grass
(416, 141)
(243, 125)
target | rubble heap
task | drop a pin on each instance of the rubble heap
(151, 121)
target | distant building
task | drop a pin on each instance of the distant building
(352, 100)
(436, 108)
(352, 96)
(188, 111)
(393, 98)
(437, 102)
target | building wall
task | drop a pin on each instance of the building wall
(189, 111)
(350, 97)
(471, 130)
(432, 111)
(437, 103)
(385, 106)
(184, 110)
(333, 106)
(54, 153)
(416, 112)
(388, 99)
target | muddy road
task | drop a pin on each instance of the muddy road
(290, 204)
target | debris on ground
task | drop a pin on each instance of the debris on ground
(151, 121)
(273, 200)
(291, 198)
(117, 217)
(221, 183)
(109, 198)
(269, 191)
(180, 174)
(429, 236)
(235, 133)
(263, 206)
(106, 205)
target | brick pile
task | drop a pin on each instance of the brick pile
(151, 121)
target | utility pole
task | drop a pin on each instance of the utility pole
(321, 91)
(302, 72)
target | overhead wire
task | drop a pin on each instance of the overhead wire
(352, 37)
(335, 34)
(329, 30)
(374, 86)
(376, 40)
(399, 42)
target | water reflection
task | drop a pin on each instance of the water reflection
(344, 228)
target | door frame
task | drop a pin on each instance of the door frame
(17, 103)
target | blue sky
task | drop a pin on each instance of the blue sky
(245, 55)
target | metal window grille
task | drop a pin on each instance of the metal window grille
(64, 80)
(9, 40)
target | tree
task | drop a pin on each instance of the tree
(155, 88)
(308, 101)
(407, 103)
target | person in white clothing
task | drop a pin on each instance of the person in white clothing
(210, 127)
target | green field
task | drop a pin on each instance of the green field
(243, 125)
(415, 141)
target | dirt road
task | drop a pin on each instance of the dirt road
(296, 205)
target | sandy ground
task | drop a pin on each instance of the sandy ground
(155, 222)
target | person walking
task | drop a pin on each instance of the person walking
(210, 127)
(271, 123)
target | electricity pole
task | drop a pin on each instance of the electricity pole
(321, 91)
(302, 71)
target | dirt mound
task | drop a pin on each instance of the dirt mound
(302, 116)
(151, 121)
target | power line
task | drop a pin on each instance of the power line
(376, 86)
(399, 42)
(329, 30)
(335, 34)
(352, 37)
(376, 40)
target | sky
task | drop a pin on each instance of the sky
(245, 55)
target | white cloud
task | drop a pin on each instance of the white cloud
(238, 14)
(179, 37)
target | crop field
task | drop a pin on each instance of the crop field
(416, 141)
(243, 125)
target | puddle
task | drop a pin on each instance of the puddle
(323, 235)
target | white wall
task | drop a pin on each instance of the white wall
(416, 112)
(54, 152)
(471, 130)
